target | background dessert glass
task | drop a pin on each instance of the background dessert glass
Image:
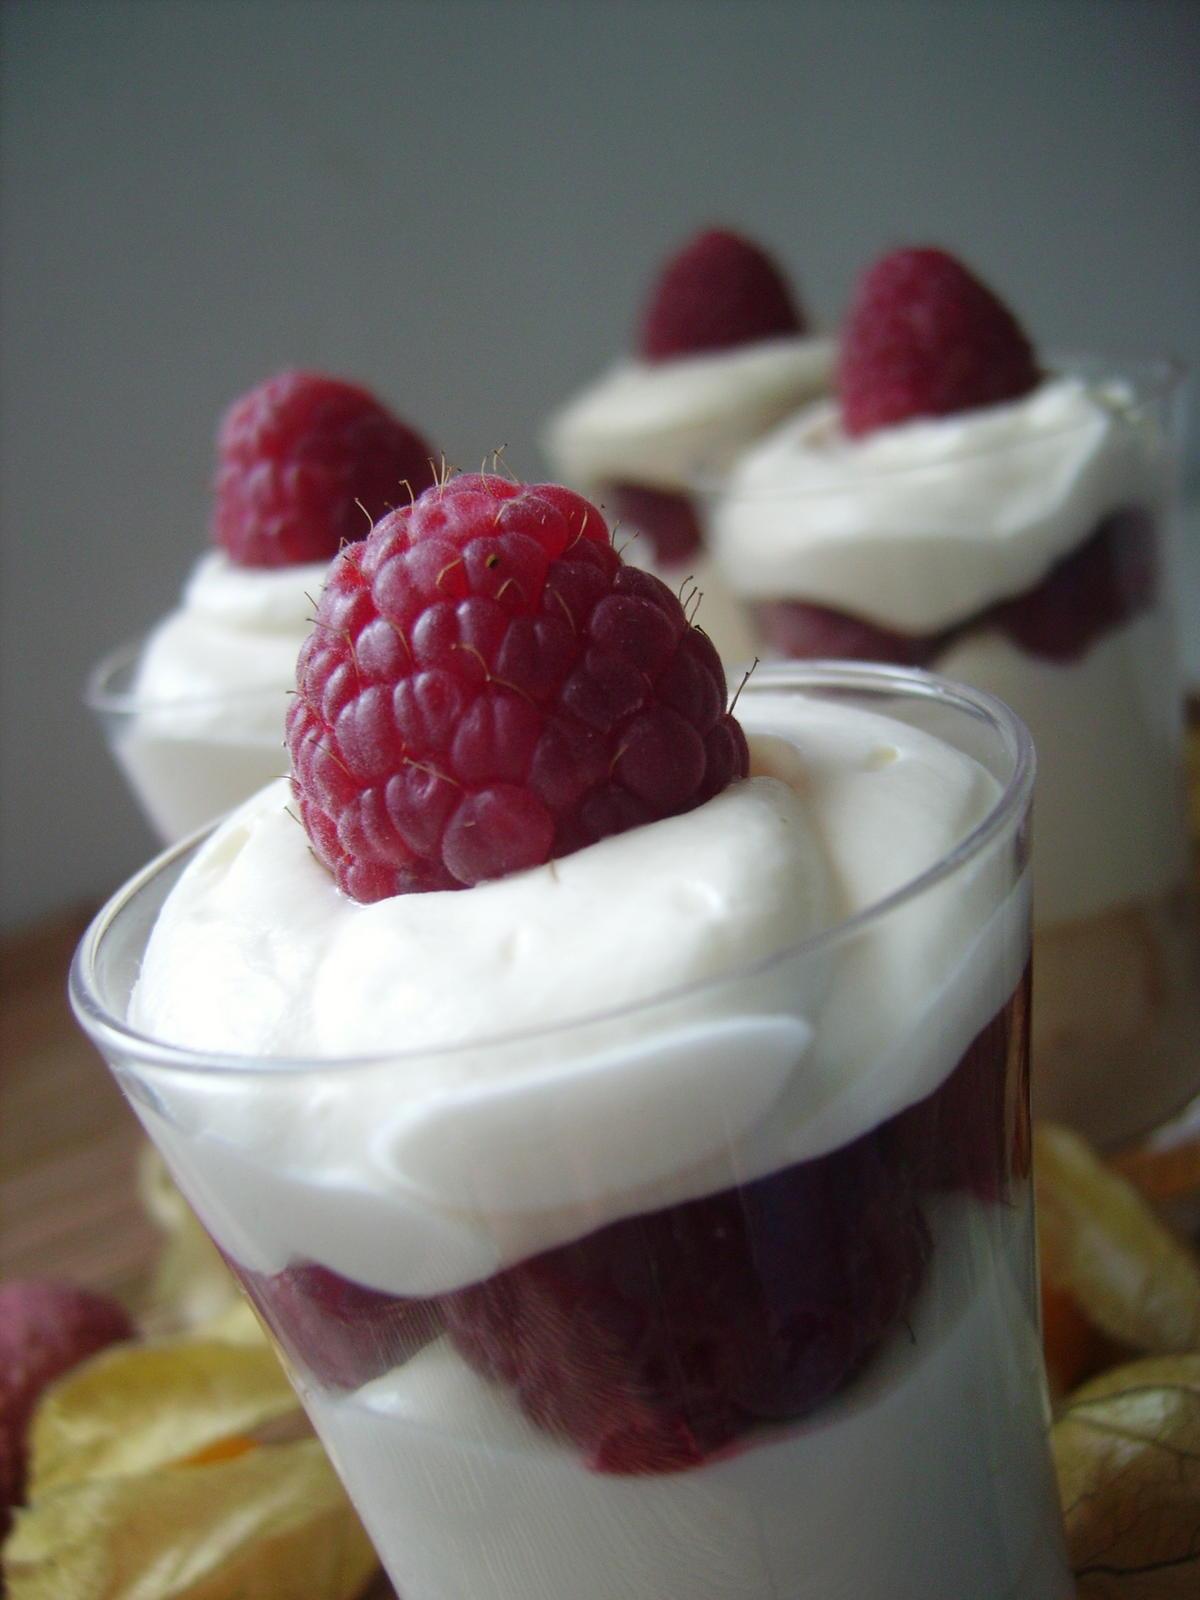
(190, 759)
(1086, 655)
(728, 1293)
(632, 442)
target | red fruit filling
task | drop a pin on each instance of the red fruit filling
(663, 1338)
(721, 290)
(305, 464)
(1100, 586)
(660, 1338)
(925, 338)
(487, 687)
(666, 519)
(341, 1333)
(973, 1132)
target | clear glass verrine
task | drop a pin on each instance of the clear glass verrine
(731, 1292)
(187, 759)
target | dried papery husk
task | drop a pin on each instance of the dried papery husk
(1102, 1244)
(272, 1523)
(1127, 1450)
(137, 1407)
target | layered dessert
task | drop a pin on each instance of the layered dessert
(723, 351)
(305, 464)
(961, 506)
(616, 1105)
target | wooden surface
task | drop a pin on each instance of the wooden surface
(68, 1208)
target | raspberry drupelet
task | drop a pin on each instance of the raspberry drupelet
(488, 687)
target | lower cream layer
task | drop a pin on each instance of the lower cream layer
(927, 1480)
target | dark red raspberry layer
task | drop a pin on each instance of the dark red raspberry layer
(973, 1132)
(305, 464)
(667, 520)
(336, 1331)
(925, 338)
(487, 687)
(720, 291)
(661, 1339)
(1103, 584)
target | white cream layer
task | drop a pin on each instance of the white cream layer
(205, 726)
(236, 634)
(429, 1170)
(659, 423)
(1109, 822)
(922, 525)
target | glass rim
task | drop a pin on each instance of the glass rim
(116, 1038)
(101, 698)
(1154, 380)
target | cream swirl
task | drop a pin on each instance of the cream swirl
(642, 968)
(658, 423)
(920, 526)
(237, 629)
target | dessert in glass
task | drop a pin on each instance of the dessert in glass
(723, 352)
(192, 713)
(962, 508)
(616, 1110)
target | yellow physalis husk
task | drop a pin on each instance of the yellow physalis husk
(140, 1406)
(1102, 1243)
(1127, 1450)
(270, 1524)
(191, 1283)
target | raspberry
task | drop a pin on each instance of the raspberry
(488, 687)
(46, 1328)
(802, 631)
(662, 1337)
(972, 1133)
(340, 1332)
(1098, 587)
(666, 519)
(305, 464)
(925, 338)
(719, 291)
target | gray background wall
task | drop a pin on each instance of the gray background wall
(459, 203)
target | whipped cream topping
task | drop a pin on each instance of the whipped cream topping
(658, 423)
(236, 633)
(919, 526)
(470, 1157)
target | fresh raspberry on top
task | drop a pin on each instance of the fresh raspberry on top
(487, 687)
(925, 338)
(719, 291)
(306, 464)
